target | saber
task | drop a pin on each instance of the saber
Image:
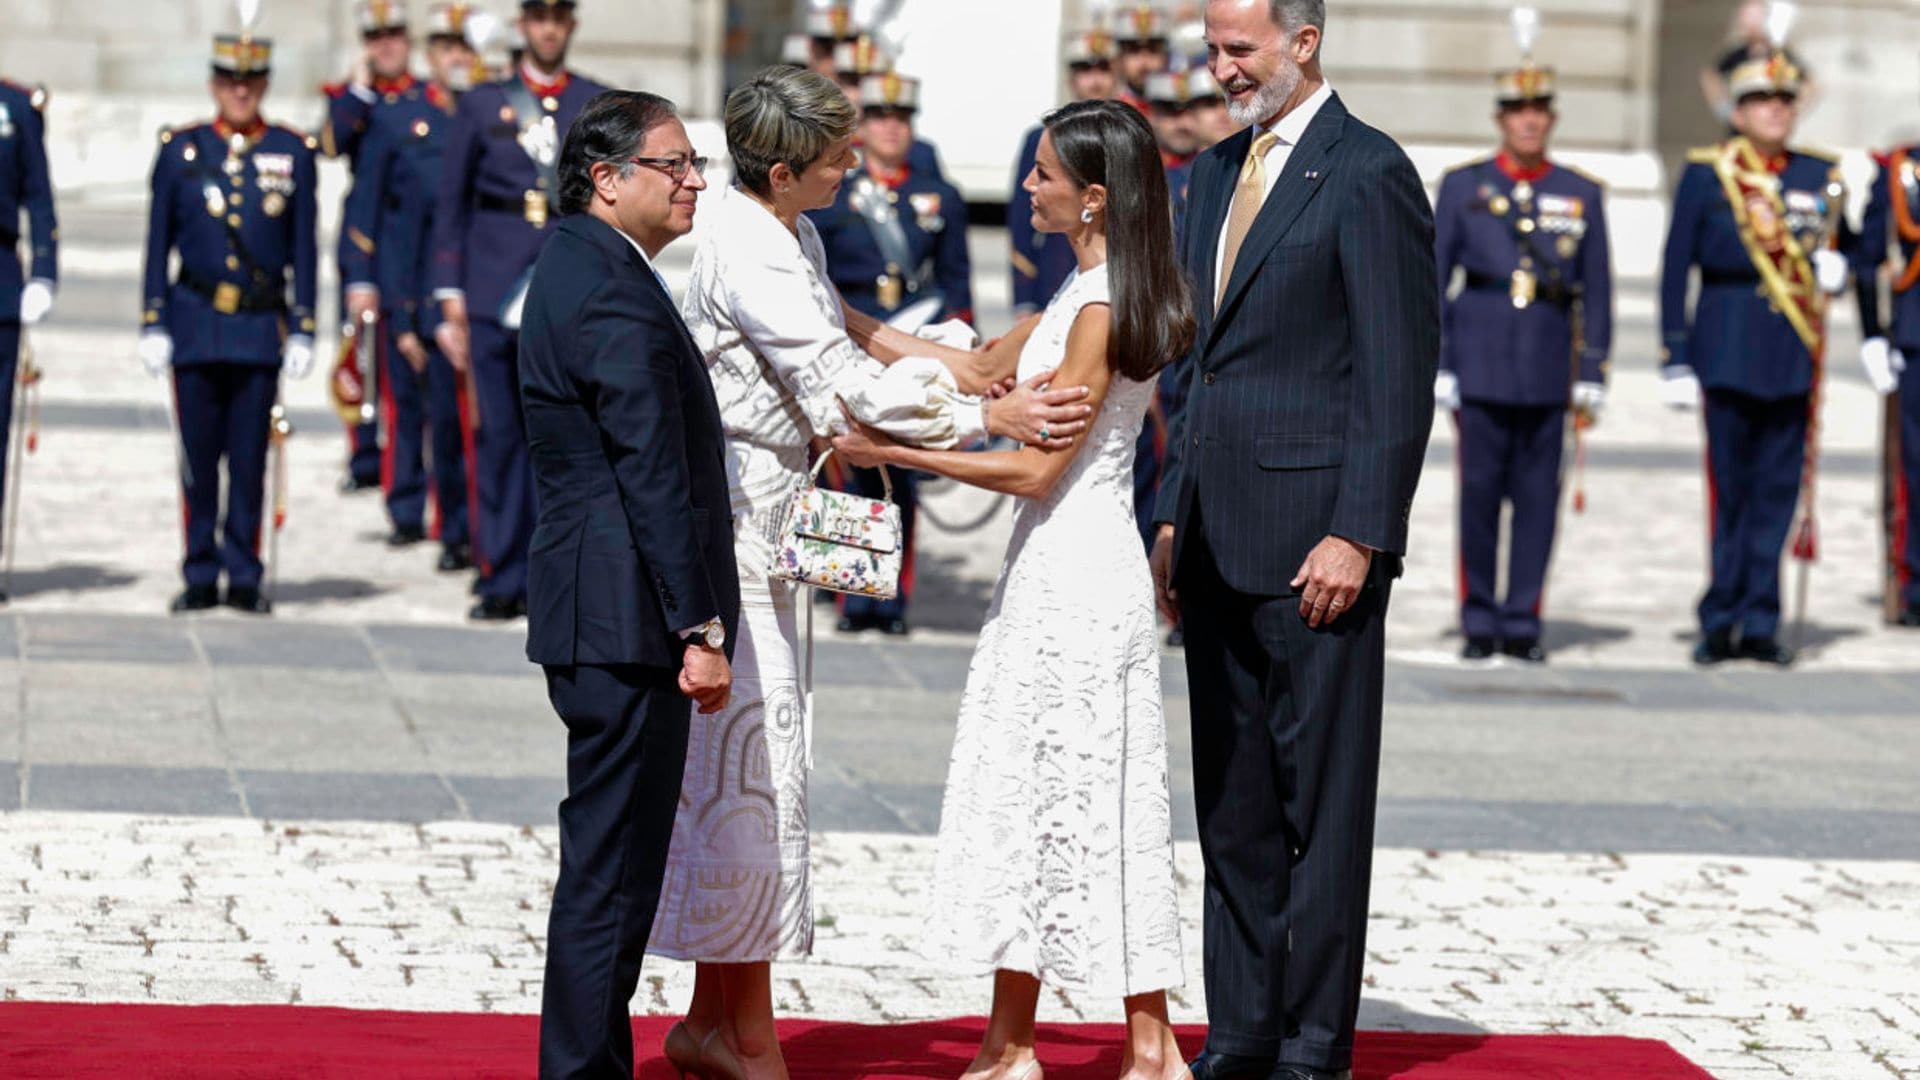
(279, 430)
(1805, 534)
(24, 439)
(368, 356)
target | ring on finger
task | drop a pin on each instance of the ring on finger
(1045, 432)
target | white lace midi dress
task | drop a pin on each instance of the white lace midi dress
(1055, 853)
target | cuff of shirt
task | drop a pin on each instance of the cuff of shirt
(449, 294)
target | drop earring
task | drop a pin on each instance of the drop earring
(1086, 216)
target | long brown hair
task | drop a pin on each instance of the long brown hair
(1109, 143)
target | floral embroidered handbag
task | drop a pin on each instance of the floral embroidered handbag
(846, 543)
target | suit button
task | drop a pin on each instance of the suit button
(1196, 440)
(1208, 379)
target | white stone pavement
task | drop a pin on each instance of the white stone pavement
(1748, 966)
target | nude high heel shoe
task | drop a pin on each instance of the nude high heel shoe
(683, 1052)
(717, 1059)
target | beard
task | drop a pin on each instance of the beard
(1268, 99)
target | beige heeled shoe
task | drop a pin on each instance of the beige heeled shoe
(718, 1061)
(683, 1052)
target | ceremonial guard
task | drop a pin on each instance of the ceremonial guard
(1142, 48)
(380, 78)
(854, 63)
(828, 27)
(25, 186)
(1041, 261)
(1759, 221)
(495, 210)
(384, 269)
(1525, 342)
(896, 246)
(234, 199)
(1891, 355)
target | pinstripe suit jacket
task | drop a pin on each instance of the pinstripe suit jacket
(1311, 396)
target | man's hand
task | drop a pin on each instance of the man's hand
(297, 356)
(1680, 389)
(414, 350)
(156, 352)
(1589, 399)
(1830, 270)
(452, 334)
(1031, 409)
(1331, 578)
(360, 300)
(1884, 365)
(707, 678)
(1161, 561)
(36, 301)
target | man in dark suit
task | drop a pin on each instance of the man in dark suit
(1283, 513)
(632, 591)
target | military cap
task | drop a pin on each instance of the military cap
(861, 56)
(449, 20)
(890, 90)
(378, 16)
(1530, 82)
(1775, 74)
(1088, 48)
(242, 54)
(832, 22)
(1139, 23)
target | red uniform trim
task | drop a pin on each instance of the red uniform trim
(1515, 172)
(544, 89)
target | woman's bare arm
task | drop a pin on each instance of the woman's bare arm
(973, 372)
(1027, 472)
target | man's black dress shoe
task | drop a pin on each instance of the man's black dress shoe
(1302, 1072)
(1525, 649)
(893, 627)
(196, 598)
(405, 535)
(455, 559)
(497, 609)
(352, 484)
(1212, 1066)
(1714, 648)
(1910, 616)
(249, 600)
(1766, 651)
(1478, 648)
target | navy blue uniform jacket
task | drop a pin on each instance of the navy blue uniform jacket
(1310, 395)
(633, 538)
(24, 185)
(1878, 239)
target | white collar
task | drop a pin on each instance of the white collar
(1293, 126)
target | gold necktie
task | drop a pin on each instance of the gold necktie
(1248, 194)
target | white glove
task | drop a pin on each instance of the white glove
(1589, 398)
(1877, 357)
(1830, 270)
(297, 356)
(1680, 389)
(156, 351)
(1446, 391)
(36, 301)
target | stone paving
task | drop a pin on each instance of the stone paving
(1749, 966)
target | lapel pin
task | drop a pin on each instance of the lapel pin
(1313, 174)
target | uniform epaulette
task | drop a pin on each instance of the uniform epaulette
(1471, 163)
(1582, 174)
(168, 134)
(1827, 156)
(310, 142)
(1704, 155)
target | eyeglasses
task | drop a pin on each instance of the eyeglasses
(676, 168)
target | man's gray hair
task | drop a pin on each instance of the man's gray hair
(1291, 15)
(784, 114)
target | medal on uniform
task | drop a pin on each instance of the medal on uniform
(1567, 245)
(1523, 192)
(1499, 205)
(1521, 288)
(274, 204)
(216, 202)
(534, 207)
(889, 288)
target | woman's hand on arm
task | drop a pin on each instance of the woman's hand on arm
(1036, 414)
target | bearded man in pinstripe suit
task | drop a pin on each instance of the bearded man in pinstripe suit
(1283, 518)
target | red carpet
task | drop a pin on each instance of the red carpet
(74, 1042)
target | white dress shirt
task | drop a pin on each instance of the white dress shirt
(1288, 130)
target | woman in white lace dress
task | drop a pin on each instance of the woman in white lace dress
(1055, 860)
(783, 353)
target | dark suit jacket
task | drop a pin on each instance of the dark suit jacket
(1311, 394)
(632, 539)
